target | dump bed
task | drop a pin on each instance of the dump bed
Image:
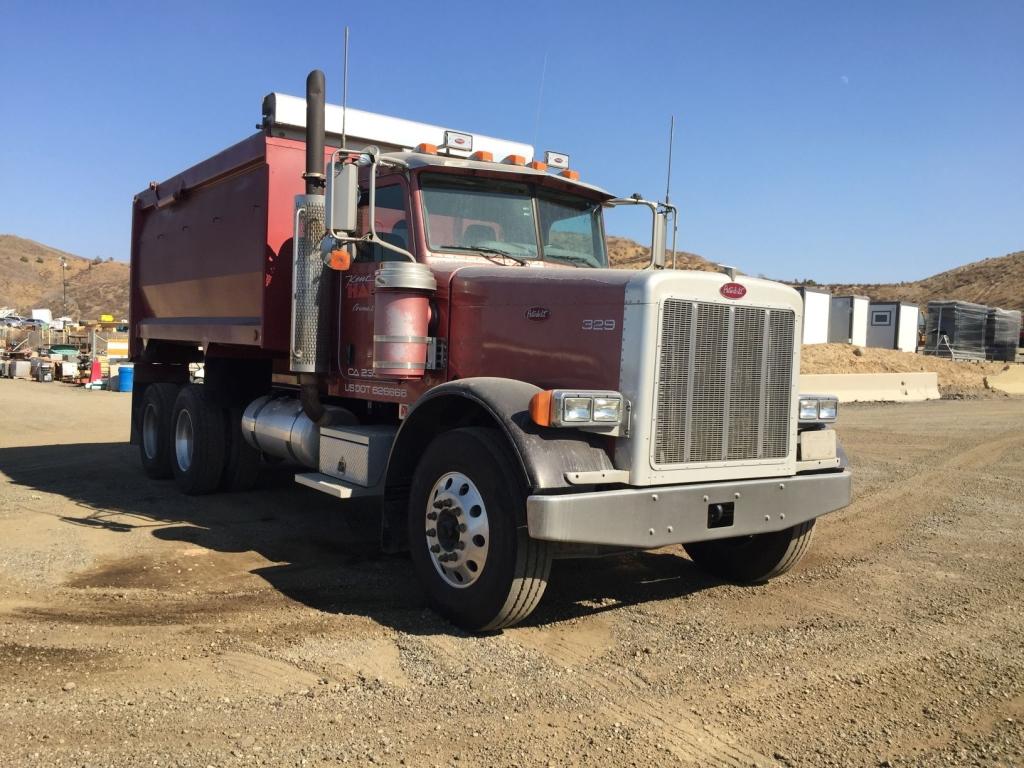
(211, 249)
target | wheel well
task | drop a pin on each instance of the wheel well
(425, 423)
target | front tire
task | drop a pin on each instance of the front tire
(467, 532)
(198, 441)
(753, 559)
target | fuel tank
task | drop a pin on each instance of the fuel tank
(550, 326)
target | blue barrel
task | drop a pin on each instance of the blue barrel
(125, 377)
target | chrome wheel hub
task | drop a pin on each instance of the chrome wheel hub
(150, 431)
(184, 439)
(457, 530)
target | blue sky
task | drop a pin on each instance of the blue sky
(868, 141)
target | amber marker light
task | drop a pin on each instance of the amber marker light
(427, 149)
(339, 260)
(514, 160)
(540, 408)
(570, 174)
(537, 165)
(482, 156)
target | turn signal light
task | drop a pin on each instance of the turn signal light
(482, 156)
(540, 408)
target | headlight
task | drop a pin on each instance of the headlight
(808, 409)
(577, 408)
(816, 408)
(608, 409)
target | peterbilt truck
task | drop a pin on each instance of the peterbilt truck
(426, 319)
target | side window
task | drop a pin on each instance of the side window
(881, 318)
(390, 220)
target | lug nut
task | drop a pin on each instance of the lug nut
(431, 515)
(438, 505)
(460, 545)
(435, 548)
(431, 532)
(462, 527)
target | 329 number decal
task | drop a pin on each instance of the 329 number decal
(598, 325)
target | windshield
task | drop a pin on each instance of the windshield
(515, 219)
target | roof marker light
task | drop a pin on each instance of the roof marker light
(537, 165)
(570, 175)
(427, 149)
(482, 156)
(514, 160)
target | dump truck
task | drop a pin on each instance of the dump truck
(425, 319)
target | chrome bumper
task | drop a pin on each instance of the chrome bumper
(653, 517)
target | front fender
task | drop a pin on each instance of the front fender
(543, 455)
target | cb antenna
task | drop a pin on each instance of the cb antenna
(671, 137)
(344, 90)
(668, 188)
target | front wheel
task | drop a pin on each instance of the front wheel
(753, 559)
(467, 533)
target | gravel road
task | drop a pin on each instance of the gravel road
(141, 627)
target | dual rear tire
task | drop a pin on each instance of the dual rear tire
(184, 434)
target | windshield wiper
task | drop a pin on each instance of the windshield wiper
(567, 257)
(486, 251)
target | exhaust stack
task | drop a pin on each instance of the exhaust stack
(309, 288)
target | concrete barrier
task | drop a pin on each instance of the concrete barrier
(1010, 381)
(873, 387)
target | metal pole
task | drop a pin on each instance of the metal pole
(64, 282)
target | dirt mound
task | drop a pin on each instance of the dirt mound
(994, 282)
(30, 278)
(624, 253)
(957, 378)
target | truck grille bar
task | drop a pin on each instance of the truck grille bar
(723, 383)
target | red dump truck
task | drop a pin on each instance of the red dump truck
(426, 318)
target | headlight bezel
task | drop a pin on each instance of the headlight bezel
(818, 409)
(592, 409)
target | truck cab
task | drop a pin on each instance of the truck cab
(427, 318)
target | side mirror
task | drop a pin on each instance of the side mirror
(342, 197)
(658, 238)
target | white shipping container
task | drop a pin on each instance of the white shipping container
(817, 306)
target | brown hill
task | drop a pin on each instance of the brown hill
(30, 279)
(624, 253)
(997, 282)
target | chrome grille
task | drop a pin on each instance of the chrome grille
(724, 383)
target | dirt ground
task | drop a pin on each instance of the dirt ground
(141, 627)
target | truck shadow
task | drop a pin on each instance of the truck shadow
(320, 554)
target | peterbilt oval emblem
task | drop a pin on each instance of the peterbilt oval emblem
(733, 291)
(538, 313)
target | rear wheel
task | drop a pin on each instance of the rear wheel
(155, 430)
(198, 441)
(467, 532)
(753, 559)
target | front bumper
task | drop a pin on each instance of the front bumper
(653, 517)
